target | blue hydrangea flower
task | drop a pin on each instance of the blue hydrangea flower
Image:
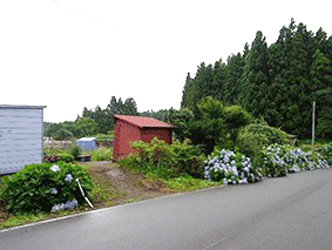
(55, 168)
(65, 206)
(68, 178)
(53, 191)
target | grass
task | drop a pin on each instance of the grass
(102, 154)
(14, 220)
(104, 191)
(188, 183)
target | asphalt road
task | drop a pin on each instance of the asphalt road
(293, 212)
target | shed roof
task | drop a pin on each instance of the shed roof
(87, 139)
(143, 122)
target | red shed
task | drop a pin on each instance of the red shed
(137, 128)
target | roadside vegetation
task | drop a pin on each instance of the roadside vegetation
(240, 121)
(233, 148)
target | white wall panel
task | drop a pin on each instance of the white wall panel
(21, 135)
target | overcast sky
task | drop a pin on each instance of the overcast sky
(71, 54)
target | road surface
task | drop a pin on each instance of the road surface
(293, 212)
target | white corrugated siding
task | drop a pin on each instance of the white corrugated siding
(21, 136)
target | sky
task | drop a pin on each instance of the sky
(71, 54)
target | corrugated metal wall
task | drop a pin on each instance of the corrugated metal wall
(21, 137)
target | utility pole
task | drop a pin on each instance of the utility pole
(313, 125)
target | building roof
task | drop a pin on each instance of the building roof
(10, 106)
(143, 122)
(87, 139)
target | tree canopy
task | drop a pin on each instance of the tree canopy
(97, 121)
(277, 82)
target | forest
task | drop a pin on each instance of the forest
(278, 82)
(92, 122)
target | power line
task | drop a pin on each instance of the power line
(74, 10)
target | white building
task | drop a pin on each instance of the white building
(21, 136)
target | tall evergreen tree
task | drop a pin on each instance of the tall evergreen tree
(187, 90)
(278, 82)
(233, 73)
(256, 80)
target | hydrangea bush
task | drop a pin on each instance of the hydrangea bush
(326, 151)
(282, 159)
(45, 187)
(231, 168)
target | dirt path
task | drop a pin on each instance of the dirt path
(124, 185)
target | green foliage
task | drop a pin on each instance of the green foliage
(101, 118)
(163, 160)
(186, 159)
(216, 124)
(92, 121)
(62, 134)
(75, 151)
(66, 158)
(19, 219)
(181, 119)
(255, 78)
(324, 104)
(326, 151)
(186, 182)
(276, 82)
(59, 131)
(201, 86)
(118, 107)
(38, 187)
(210, 108)
(102, 154)
(104, 138)
(160, 115)
(86, 126)
(236, 118)
(253, 137)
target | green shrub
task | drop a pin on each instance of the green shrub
(187, 159)
(165, 160)
(252, 138)
(326, 151)
(75, 151)
(104, 138)
(102, 154)
(216, 124)
(40, 187)
(66, 158)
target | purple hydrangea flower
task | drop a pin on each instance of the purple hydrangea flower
(55, 168)
(54, 191)
(68, 178)
(68, 205)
